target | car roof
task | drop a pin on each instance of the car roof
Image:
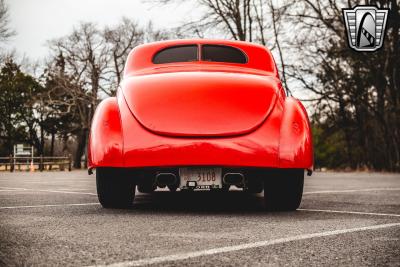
(140, 58)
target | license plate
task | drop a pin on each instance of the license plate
(200, 178)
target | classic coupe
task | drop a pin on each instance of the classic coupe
(201, 115)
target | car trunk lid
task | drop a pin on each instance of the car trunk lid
(200, 103)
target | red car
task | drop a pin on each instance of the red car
(201, 115)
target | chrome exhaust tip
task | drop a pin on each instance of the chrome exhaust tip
(233, 178)
(165, 178)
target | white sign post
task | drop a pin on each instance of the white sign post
(20, 150)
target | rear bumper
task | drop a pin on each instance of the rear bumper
(202, 153)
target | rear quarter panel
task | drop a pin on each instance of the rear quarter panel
(295, 145)
(105, 141)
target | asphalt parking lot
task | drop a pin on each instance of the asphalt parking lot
(53, 218)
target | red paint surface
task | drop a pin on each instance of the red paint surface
(106, 138)
(200, 103)
(295, 145)
(201, 113)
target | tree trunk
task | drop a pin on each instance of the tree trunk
(52, 144)
(41, 151)
(82, 139)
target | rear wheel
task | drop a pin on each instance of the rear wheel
(283, 189)
(114, 188)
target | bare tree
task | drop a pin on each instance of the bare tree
(120, 41)
(5, 31)
(245, 20)
(355, 92)
(152, 34)
(276, 15)
(86, 58)
(87, 66)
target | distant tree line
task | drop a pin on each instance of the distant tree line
(353, 98)
(58, 104)
(355, 95)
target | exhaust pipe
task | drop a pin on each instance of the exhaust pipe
(233, 178)
(165, 178)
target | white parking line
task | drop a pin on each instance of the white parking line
(65, 192)
(76, 189)
(49, 191)
(213, 251)
(8, 190)
(350, 191)
(352, 212)
(48, 205)
(11, 188)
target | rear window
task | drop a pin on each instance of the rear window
(221, 53)
(176, 54)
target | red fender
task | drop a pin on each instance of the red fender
(105, 141)
(295, 144)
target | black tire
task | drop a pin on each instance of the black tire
(283, 189)
(114, 188)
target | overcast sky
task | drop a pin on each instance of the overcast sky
(37, 21)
